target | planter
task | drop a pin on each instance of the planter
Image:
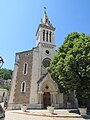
(50, 109)
(68, 105)
(83, 111)
(24, 108)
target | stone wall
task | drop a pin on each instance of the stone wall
(23, 97)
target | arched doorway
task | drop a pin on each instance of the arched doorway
(46, 99)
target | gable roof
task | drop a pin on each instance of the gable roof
(42, 77)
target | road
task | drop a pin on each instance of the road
(16, 116)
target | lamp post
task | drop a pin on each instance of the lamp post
(1, 61)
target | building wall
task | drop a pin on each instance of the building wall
(39, 54)
(13, 83)
(35, 77)
(5, 82)
(3, 95)
(23, 97)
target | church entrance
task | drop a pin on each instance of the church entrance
(46, 99)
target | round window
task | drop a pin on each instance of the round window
(46, 62)
(47, 51)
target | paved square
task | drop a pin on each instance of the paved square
(41, 115)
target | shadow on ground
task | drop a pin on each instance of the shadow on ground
(77, 112)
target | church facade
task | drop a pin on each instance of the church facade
(31, 83)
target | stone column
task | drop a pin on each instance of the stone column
(52, 37)
(49, 36)
(40, 97)
(45, 35)
(54, 97)
(51, 98)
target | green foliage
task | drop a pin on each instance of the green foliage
(5, 74)
(70, 67)
(4, 87)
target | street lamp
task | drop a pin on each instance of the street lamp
(1, 61)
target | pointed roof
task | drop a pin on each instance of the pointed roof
(45, 22)
(42, 77)
(46, 77)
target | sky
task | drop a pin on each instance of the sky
(19, 20)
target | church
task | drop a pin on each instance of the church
(31, 83)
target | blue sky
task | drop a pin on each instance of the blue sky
(19, 20)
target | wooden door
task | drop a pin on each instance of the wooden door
(46, 99)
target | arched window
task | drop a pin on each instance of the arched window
(3, 94)
(46, 20)
(47, 36)
(43, 35)
(25, 68)
(23, 86)
(50, 37)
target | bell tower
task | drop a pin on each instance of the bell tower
(45, 43)
(45, 31)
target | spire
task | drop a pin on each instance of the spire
(45, 23)
(45, 20)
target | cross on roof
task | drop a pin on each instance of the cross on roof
(45, 8)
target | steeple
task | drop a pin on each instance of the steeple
(45, 31)
(45, 20)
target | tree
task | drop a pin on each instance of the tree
(70, 67)
(5, 74)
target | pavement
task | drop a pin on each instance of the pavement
(65, 114)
